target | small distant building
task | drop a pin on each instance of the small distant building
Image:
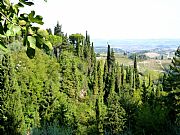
(152, 55)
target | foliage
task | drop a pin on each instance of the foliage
(12, 24)
(115, 118)
(64, 89)
(152, 121)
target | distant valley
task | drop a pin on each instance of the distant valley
(132, 45)
(152, 54)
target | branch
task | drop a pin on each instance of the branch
(7, 18)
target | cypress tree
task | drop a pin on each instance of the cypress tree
(116, 116)
(112, 59)
(65, 43)
(144, 92)
(171, 84)
(95, 81)
(57, 29)
(100, 78)
(137, 81)
(99, 117)
(117, 79)
(93, 56)
(108, 57)
(105, 71)
(11, 115)
(122, 75)
(109, 73)
(49, 31)
(112, 82)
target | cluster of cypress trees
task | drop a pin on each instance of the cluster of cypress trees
(73, 92)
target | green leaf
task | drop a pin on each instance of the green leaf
(32, 42)
(13, 30)
(42, 33)
(9, 33)
(39, 42)
(22, 22)
(48, 44)
(3, 47)
(27, 3)
(19, 5)
(31, 15)
(30, 52)
(16, 30)
(7, 3)
(38, 19)
(30, 31)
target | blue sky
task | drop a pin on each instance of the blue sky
(113, 19)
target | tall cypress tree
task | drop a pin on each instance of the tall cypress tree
(117, 79)
(95, 81)
(93, 56)
(144, 92)
(105, 71)
(108, 57)
(57, 29)
(136, 73)
(122, 75)
(11, 115)
(100, 78)
(172, 86)
(110, 75)
(99, 117)
(112, 57)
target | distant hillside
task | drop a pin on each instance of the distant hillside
(104, 50)
(139, 44)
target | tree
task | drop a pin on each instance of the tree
(100, 78)
(115, 119)
(144, 92)
(136, 74)
(99, 117)
(172, 86)
(117, 79)
(77, 40)
(57, 29)
(109, 73)
(11, 115)
(49, 31)
(95, 81)
(12, 24)
(122, 75)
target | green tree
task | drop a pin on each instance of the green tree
(13, 24)
(172, 86)
(11, 115)
(49, 31)
(144, 92)
(58, 29)
(115, 119)
(77, 40)
(100, 116)
(136, 74)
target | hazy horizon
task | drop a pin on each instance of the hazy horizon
(138, 44)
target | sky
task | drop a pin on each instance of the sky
(113, 19)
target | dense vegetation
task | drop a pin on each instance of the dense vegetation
(66, 90)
